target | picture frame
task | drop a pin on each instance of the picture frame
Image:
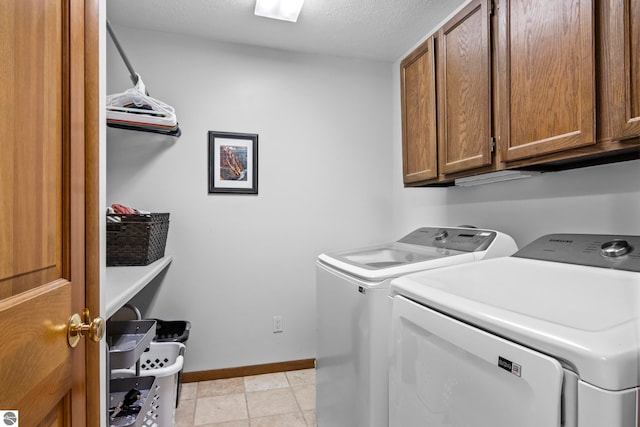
(233, 162)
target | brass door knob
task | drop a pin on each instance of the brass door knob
(78, 328)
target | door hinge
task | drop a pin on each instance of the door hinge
(492, 142)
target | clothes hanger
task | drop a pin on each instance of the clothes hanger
(134, 109)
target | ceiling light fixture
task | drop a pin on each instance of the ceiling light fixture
(285, 10)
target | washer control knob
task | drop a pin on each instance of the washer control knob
(442, 234)
(615, 248)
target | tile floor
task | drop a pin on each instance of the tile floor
(283, 399)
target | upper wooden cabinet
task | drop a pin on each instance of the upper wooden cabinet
(464, 90)
(546, 72)
(555, 83)
(447, 100)
(418, 104)
(619, 69)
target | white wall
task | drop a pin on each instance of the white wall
(325, 132)
(601, 199)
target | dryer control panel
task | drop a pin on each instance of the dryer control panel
(596, 250)
(458, 239)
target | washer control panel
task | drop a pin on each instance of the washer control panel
(458, 239)
(595, 250)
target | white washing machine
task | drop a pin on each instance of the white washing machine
(547, 337)
(353, 315)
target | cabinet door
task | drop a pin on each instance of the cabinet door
(418, 98)
(619, 69)
(464, 90)
(547, 72)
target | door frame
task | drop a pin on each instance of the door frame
(85, 28)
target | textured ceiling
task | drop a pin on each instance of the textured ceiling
(372, 29)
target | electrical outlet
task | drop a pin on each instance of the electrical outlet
(277, 324)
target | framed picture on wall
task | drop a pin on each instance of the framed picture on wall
(233, 162)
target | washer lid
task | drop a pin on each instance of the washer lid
(587, 317)
(392, 259)
(423, 248)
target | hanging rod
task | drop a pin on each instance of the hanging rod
(132, 73)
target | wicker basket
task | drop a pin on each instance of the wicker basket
(137, 239)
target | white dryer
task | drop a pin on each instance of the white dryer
(547, 337)
(353, 315)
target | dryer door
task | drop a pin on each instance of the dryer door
(446, 373)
